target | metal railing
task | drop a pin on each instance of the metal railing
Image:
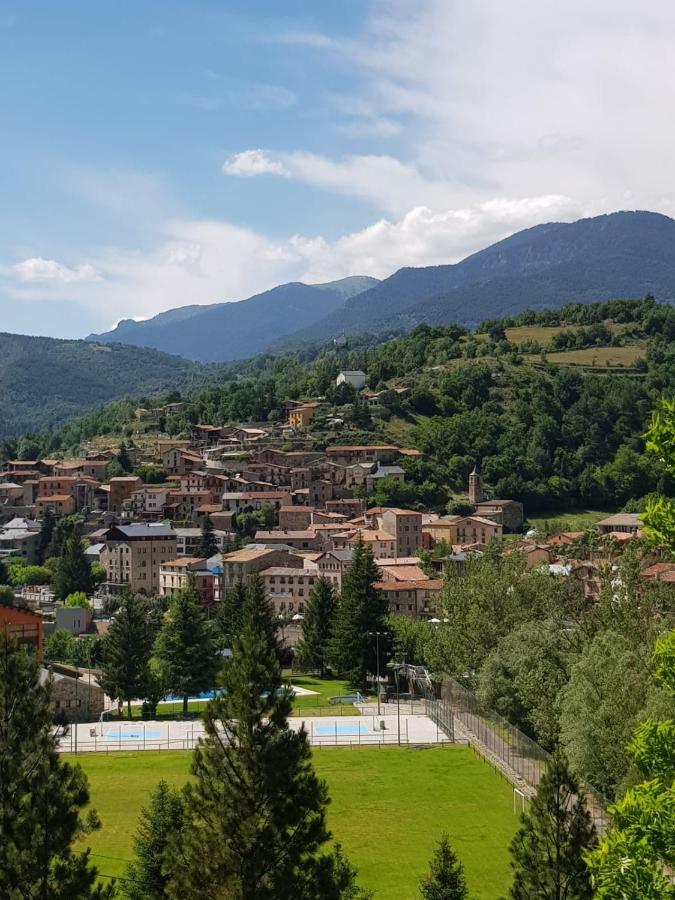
(516, 755)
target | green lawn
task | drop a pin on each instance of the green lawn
(388, 808)
(574, 520)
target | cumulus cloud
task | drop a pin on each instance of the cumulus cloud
(203, 261)
(37, 269)
(250, 163)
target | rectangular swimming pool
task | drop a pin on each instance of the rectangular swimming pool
(132, 734)
(340, 729)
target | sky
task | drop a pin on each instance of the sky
(159, 154)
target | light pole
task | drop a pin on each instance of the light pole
(377, 635)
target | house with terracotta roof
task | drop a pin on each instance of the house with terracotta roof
(24, 626)
(416, 599)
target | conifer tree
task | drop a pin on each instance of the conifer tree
(548, 850)
(123, 458)
(255, 813)
(360, 610)
(73, 572)
(230, 618)
(317, 627)
(41, 795)
(445, 880)
(126, 652)
(208, 545)
(186, 647)
(46, 534)
(148, 877)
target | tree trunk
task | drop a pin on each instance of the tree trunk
(185, 704)
(129, 709)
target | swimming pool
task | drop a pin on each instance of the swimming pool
(176, 698)
(341, 729)
(132, 734)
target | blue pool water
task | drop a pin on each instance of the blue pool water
(174, 698)
(327, 730)
(132, 734)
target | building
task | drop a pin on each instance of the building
(406, 526)
(348, 454)
(75, 619)
(133, 554)
(333, 565)
(475, 487)
(353, 377)
(288, 588)
(417, 599)
(508, 513)
(302, 416)
(121, 489)
(459, 530)
(382, 543)
(239, 564)
(24, 626)
(176, 575)
(189, 539)
(57, 504)
(21, 537)
(301, 540)
(76, 695)
(621, 523)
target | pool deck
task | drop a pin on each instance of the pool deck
(183, 735)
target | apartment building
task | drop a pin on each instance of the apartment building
(132, 555)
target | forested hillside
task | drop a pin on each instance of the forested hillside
(552, 433)
(45, 381)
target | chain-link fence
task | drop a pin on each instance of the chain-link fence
(513, 752)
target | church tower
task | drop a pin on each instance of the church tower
(475, 487)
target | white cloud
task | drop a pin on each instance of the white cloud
(250, 163)
(37, 269)
(202, 261)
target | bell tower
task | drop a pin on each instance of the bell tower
(475, 487)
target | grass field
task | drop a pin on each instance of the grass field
(576, 520)
(600, 357)
(389, 806)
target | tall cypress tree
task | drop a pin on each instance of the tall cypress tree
(73, 572)
(445, 880)
(126, 652)
(123, 457)
(41, 795)
(186, 647)
(317, 627)
(148, 877)
(360, 610)
(255, 825)
(208, 545)
(547, 853)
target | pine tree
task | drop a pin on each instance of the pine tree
(148, 877)
(186, 647)
(123, 458)
(230, 618)
(208, 545)
(46, 533)
(317, 627)
(73, 572)
(555, 832)
(126, 654)
(255, 812)
(41, 795)
(445, 880)
(360, 610)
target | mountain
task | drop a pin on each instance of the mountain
(44, 381)
(623, 254)
(229, 331)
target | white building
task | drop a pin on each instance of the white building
(355, 378)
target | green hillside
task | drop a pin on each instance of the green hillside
(44, 381)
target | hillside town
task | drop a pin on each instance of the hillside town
(253, 498)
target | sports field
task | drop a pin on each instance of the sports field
(388, 808)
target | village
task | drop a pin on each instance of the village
(237, 500)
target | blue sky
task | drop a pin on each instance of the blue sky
(156, 154)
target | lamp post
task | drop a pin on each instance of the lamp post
(377, 635)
